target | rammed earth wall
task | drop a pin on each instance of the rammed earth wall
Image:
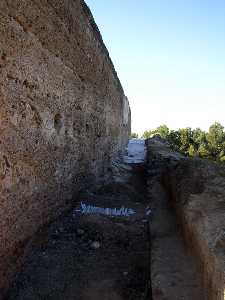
(63, 116)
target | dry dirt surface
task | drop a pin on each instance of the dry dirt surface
(175, 273)
(92, 256)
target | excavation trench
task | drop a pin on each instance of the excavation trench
(174, 269)
(122, 241)
(91, 252)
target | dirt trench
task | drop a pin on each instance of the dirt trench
(86, 255)
(90, 256)
(174, 268)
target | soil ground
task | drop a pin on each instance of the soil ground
(90, 257)
(93, 256)
(174, 271)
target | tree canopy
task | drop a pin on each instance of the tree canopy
(194, 142)
(134, 135)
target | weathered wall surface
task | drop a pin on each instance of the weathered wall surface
(63, 115)
(197, 192)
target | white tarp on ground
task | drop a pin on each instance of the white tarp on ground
(87, 209)
(136, 151)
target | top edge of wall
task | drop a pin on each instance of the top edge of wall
(97, 32)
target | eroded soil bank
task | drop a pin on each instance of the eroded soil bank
(174, 271)
(188, 221)
(93, 256)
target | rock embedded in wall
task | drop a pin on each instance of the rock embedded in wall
(63, 116)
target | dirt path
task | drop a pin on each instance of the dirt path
(174, 273)
(92, 253)
(93, 256)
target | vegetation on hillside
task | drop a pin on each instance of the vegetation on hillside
(134, 135)
(194, 142)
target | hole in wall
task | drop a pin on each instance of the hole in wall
(78, 107)
(6, 161)
(76, 128)
(3, 56)
(58, 123)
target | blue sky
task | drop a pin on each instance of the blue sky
(170, 58)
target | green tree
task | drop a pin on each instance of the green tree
(215, 138)
(199, 137)
(195, 142)
(222, 153)
(174, 140)
(192, 151)
(203, 151)
(134, 135)
(147, 134)
(163, 131)
(186, 139)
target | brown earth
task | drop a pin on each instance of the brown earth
(63, 262)
(63, 116)
(92, 257)
(174, 272)
(193, 191)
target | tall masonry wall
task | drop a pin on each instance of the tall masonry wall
(63, 116)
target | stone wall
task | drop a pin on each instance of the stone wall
(197, 193)
(63, 115)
